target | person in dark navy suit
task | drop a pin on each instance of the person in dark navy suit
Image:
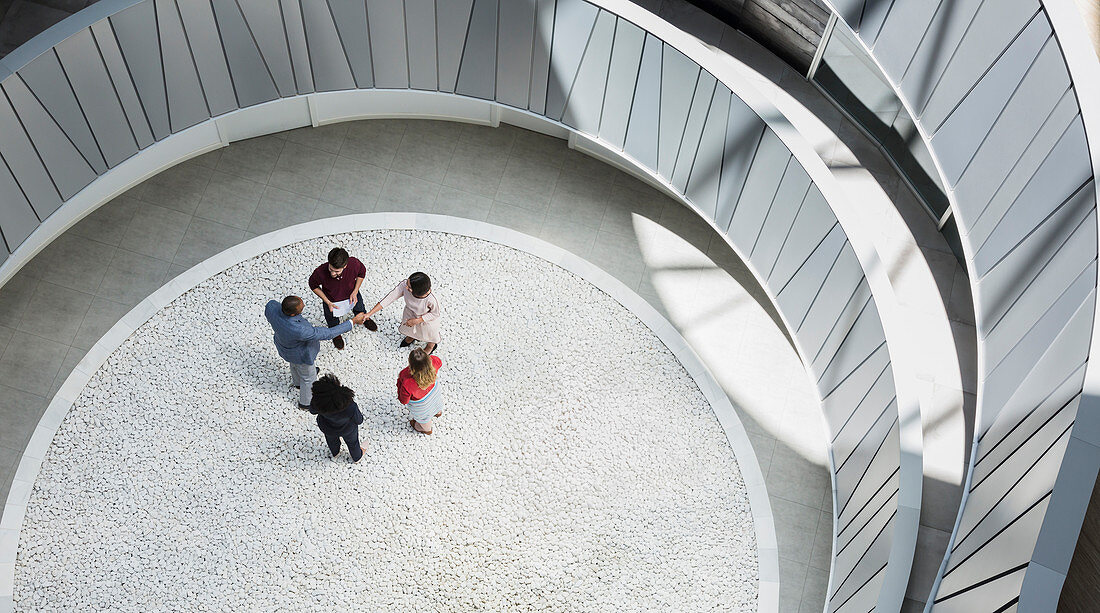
(298, 342)
(338, 417)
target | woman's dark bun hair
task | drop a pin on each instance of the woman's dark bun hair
(420, 284)
(329, 396)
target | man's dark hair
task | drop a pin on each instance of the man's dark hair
(329, 396)
(291, 304)
(338, 258)
(420, 284)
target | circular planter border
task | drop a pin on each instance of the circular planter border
(15, 508)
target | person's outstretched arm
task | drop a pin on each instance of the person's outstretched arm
(322, 333)
(385, 302)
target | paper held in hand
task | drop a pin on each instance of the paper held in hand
(341, 308)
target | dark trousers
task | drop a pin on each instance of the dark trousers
(351, 437)
(335, 321)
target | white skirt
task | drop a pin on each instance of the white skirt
(424, 410)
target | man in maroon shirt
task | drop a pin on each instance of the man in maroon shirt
(336, 280)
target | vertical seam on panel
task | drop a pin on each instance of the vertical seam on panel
(660, 105)
(871, 388)
(878, 490)
(534, 52)
(435, 29)
(340, 39)
(864, 584)
(114, 88)
(1061, 205)
(702, 135)
(854, 368)
(950, 58)
(496, 52)
(633, 94)
(26, 198)
(465, 36)
(607, 74)
(972, 586)
(852, 296)
(1033, 434)
(1046, 121)
(55, 123)
(867, 469)
(725, 120)
(289, 53)
(824, 280)
(883, 25)
(1008, 101)
(808, 255)
(687, 121)
(194, 63)
(225, 53)
(549, 51)
(856, 564)
(1019, 424)
(370, 49)
(1008, 490)
(873, 515)
(867, 433)
(309, 53)
(924, 35)
(37, 154)
(748, 169)
(438, 68)
(1040, 272)
(84, 115)
(980, 77)
(580, 64)
(550, 57)
(163, 74)
(133, 81)
(790, 227)
(771, 205)
(256, 44)
(4, 238)
(993, 536)
(408, 55)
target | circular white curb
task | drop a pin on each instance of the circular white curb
(19, 495)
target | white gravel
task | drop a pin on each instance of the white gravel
(577, 467)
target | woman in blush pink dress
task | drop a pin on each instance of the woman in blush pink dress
(420, 320)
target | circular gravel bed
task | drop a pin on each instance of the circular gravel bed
(577, 466)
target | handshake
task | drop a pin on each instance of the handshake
(365, 320)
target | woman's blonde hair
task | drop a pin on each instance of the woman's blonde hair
(421, 368)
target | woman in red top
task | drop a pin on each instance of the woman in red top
(416, 388)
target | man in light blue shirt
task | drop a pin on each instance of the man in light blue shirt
(298, 342)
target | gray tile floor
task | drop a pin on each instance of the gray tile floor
(83, 282)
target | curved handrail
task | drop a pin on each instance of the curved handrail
(1032, 581)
